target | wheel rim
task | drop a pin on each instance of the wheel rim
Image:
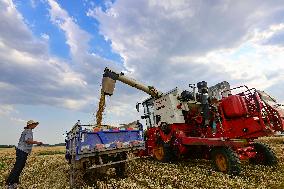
(159, 152)
(221, 162)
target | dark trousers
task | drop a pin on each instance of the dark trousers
(21, 158)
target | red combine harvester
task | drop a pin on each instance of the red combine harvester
(215, 123)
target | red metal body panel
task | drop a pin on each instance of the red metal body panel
(213, 142)
(246, 153)
(180, 139)
(234, 106)
(150, 140)
(243, 128)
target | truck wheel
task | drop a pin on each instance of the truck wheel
(120, 170)
(77, 172)
(264, 155)
(162, 152)
(226, 160)
(76, 178)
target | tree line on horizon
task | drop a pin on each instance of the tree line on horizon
(12, 146)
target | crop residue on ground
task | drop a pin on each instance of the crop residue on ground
(47, 168)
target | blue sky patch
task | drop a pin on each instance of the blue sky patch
(38, 19)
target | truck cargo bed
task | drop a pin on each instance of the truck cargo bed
(89, 142)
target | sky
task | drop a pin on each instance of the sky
(53, 53)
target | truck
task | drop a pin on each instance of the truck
(92, 150)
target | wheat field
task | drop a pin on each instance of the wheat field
(47, 168)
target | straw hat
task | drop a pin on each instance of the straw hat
(30, 122)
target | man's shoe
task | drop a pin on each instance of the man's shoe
(13, 186)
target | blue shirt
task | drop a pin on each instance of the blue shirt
(22, 145)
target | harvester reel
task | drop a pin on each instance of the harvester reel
(264, 155)
(226, 160)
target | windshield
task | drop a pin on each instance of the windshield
(149, 111)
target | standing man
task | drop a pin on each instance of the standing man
(23, 149)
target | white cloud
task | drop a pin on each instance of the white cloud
(162, 43)
(85, 62)
(9, 112)
(33, 3)
(15, 33)
(77, 39)
(172, 43)
(29, 74)
(6, 109)
(45, 36)
(19, 120)
(92, 65)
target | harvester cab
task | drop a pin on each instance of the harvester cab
(185, 106)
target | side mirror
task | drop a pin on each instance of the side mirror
(137, 106)
(145, 116)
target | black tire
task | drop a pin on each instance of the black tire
(163, 152)
(78, 173)
(120, 170)
(76, 178)
(264, 155)
(226, 160)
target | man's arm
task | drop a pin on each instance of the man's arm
(30, 141)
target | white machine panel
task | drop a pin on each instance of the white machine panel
(166, 107)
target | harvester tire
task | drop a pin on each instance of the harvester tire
(226, 160)
(162, 152)
(264, 155)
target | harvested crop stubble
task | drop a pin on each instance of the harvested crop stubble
(51, 171)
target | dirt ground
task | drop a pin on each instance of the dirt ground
(47, 168)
